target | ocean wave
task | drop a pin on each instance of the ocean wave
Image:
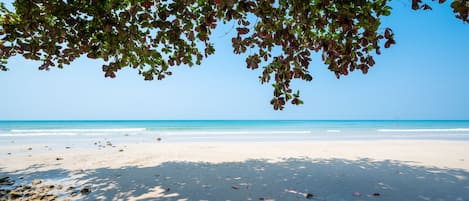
(232, 132)
(425, 130)
(333, 131)
(99, 130)
(35, 134)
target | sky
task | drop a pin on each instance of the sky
(424, 76)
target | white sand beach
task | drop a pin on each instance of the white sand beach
(323, 170)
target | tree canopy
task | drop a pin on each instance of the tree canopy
(152, 36)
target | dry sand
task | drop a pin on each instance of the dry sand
(327, 170)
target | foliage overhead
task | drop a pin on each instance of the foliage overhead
(154, 35)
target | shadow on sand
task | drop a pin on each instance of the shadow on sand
(290, 179)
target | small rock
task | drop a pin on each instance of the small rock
(36, 182)
(158, 139)
(235, 187)
(30, 148)
(59, 159)
(14, 195)
(8, 182)
(4, 192)
(49, 197)
(121, 150)
(67, 147)
(4, 179)
(376, 194)
(309, 196)
(9, 153)
(85, 190)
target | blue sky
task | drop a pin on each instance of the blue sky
(424, 76)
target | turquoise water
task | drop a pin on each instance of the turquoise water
(214, 130)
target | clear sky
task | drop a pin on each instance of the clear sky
(424, 76)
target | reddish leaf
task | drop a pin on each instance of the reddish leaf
(242, 31)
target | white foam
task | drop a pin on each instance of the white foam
(425, 130)
(333, 131)
(78, 130)
(35, 134)
(232, 132)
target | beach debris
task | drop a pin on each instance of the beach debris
(67, 147)
(9, 153)
(158, 139)
(86, 190)
(29, 148)
(121, 150)
(376, 194)
(309, 196)
(36, 182)
(235, 187)
(356, 194)
(59, 158)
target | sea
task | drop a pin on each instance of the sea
(141, 131)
